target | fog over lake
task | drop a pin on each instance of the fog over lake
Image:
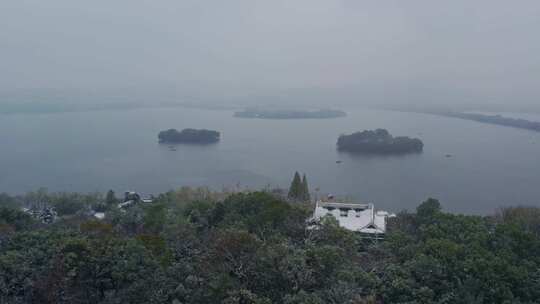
(68, 64)
(491, 166)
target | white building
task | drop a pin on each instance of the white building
(355, 217)
(132, 198)
(99, 215)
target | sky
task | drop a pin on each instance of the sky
(484, 52)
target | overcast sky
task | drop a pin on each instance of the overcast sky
(486, 51)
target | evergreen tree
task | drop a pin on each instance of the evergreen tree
(110, 198)
(296, 187)
(305, 190)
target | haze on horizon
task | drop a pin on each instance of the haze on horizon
(484, 52)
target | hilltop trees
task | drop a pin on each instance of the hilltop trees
(299, 189)
(256, 248)
(14, 218)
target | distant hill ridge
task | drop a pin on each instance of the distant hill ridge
(290, 114)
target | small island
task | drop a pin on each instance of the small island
(193, 136)
(378, 142)
(290, 114)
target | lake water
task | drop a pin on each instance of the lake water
(491, 166)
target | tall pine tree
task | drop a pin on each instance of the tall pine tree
(305, 190)
(110, 198)
(299, 190)
(296, 187)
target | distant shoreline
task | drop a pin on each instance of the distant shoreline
(290, 114)
(499, 120)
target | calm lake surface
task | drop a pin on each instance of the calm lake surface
(491, 166)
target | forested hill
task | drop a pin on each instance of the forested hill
(196, 246)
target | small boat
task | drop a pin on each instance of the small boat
(338, 161)
(172, 148)
(448, 155)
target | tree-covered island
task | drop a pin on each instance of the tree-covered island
(378, 141)
(172, 136)
(290, 114)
